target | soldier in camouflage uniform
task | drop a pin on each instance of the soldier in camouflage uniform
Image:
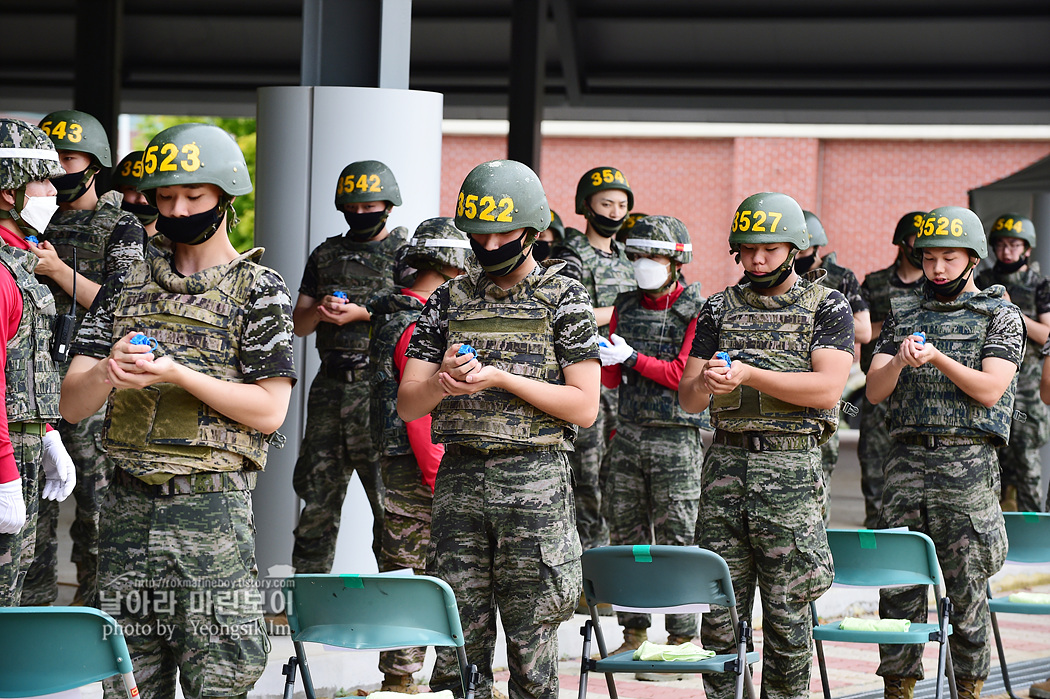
(506, 409)
(844, 281)
(106, 240)
(653, 483)
(547, 240)
(594, 258)
(30, 452)
(1012, 238)
(950, 395)
(879, 289)
(337, 441)
(408, 459)
(790, 342)
(125, 180)
(188, 414)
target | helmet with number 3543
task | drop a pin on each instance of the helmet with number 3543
(502, 196)
(1013, 226)
(768, 217)
(365, 181)
(70, 129)
(194, 154)
(952, 227)
(597, 180)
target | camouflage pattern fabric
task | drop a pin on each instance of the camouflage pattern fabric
(951, 494)
(653, 492)
(604, 275)
(843, 280)
(503, 537)
(392, 313)
(185, 598)
(761, 512)
(17, 172)
(16, 550)
(591, 448)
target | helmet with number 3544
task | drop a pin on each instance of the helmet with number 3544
(597, 180)
(768, 217)
(365, 181)
(502, 196)
(194, 154)
(70, 129)
(952, 227)
(1013, 226)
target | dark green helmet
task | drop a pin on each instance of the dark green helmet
(557, 227)
(194, 154)
(660, 235)
(769, 217)
(128, 172)
(1013, 226)
(952, 227)
(70, 129)
(436, 243)
(501, 196)
(26, 155)
(815, 230)
(909, 225)
(598, 179)
(365, 181)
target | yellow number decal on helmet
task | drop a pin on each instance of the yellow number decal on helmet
(468, 204)
(171, 158)
(942, 225)
(755, 221)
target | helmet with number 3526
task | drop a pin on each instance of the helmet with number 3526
(502, 196)
(1013, 226)
(597, 180)
(952, 227)
(365, 181)
(194, 154)
(70, 129)
(769, 217)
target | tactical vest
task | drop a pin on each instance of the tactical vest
(392, 313)
(657, 334)
(880, 288)
(1021, 286)
(512, 330)
(198, 319)
(33, 382)
(835, 272)
(360, 270)
(605, 278)
(775, 333)
(926, 401)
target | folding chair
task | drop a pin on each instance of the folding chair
(888, 558)
(371, 612)
(659, 578)
(1029, 536)
(52, 649)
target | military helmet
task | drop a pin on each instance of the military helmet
(815, 230)
(128, 172)
(194, 154)
(557, 227)
(26, 155)
(909, 225)
(365, 181)
(438, 242)
(769, 217)
(660, 235)
(952, 227)
(74, 130)
(502, 196)
(1013, 226)
(598, 179)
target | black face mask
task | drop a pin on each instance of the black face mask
(949, 290)
(914, 256)
(1010, 267)
(145, 213)
(192, 230)
(364, 227)
(605, 226)
(541, 250)
(504, 259)
(72, 186)
(774, 278)
(802, 264)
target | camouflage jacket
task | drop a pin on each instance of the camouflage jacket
(392, 313)
(879, 289)
(605, 277)
(1030, 292)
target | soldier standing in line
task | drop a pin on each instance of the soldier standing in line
(904, 276)
(408, 459)
(125, 180)
(547, 240)
(30, 451)
(947, 361)
(1012, 238)
(790, 342)
(653, 483)
(505, 358)
(337, 443)
(595, 259)
(106, 240)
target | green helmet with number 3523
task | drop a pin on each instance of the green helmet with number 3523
(909, 225)
(194, 154)
(599, 179)
(952, 227)
(1013, 226)
(70, 129)
(128, 171)
(26, 155)
(365, 181)
(815, 230)
(768, 217)
(502, 196)
(660, 235)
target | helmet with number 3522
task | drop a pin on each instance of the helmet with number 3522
(365, 181)
(768, 217)
(194, 154)
(1013, 226)
(70, 129)
(952, 227)
(597, 180)
(502, 196)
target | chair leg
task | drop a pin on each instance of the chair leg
(288, 670)
(131, 687)
(1002, 657)
(304, 667)
(744, 681)
(585, 631)
(821, 662)
(468, 674)
(944, 653)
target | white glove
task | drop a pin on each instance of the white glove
(616, 350)
(59, 471)
(12, 507)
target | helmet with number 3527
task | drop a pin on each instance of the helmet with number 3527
(597, 180)
(1013, 226)
(502, 196)
(70, 129)
(952, 227)
(194, 154)
(769, 217)
(365, 181)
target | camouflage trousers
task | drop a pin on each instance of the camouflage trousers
(829, 458)
(83, 441)
(504, 537)
(1020, 463)
(335, 445)
(16, 550)
(761, 512)
(178, 574)
(588, 462)
(951, 494)
(406, 537)
(873, 444)
(653, 491)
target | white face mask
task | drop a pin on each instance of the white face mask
(38, 211)
(650, 274)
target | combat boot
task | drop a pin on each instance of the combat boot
(1008, 499)
(404, 684)
(899, 687)
(969, 688)
(1040, 690)
(672, 640)
(632, 639)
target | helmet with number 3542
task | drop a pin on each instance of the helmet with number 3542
(365, 181)
(952, 227)
(70, 129)
(769, 217)
(1013, 226)
(597, 180)
(194, 154)
(502, 196)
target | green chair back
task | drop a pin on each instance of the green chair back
(656, 576)
(883, 558)
(1029, 536)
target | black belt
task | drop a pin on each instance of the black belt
(766, 441)
(932, 441)
(190, 484)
